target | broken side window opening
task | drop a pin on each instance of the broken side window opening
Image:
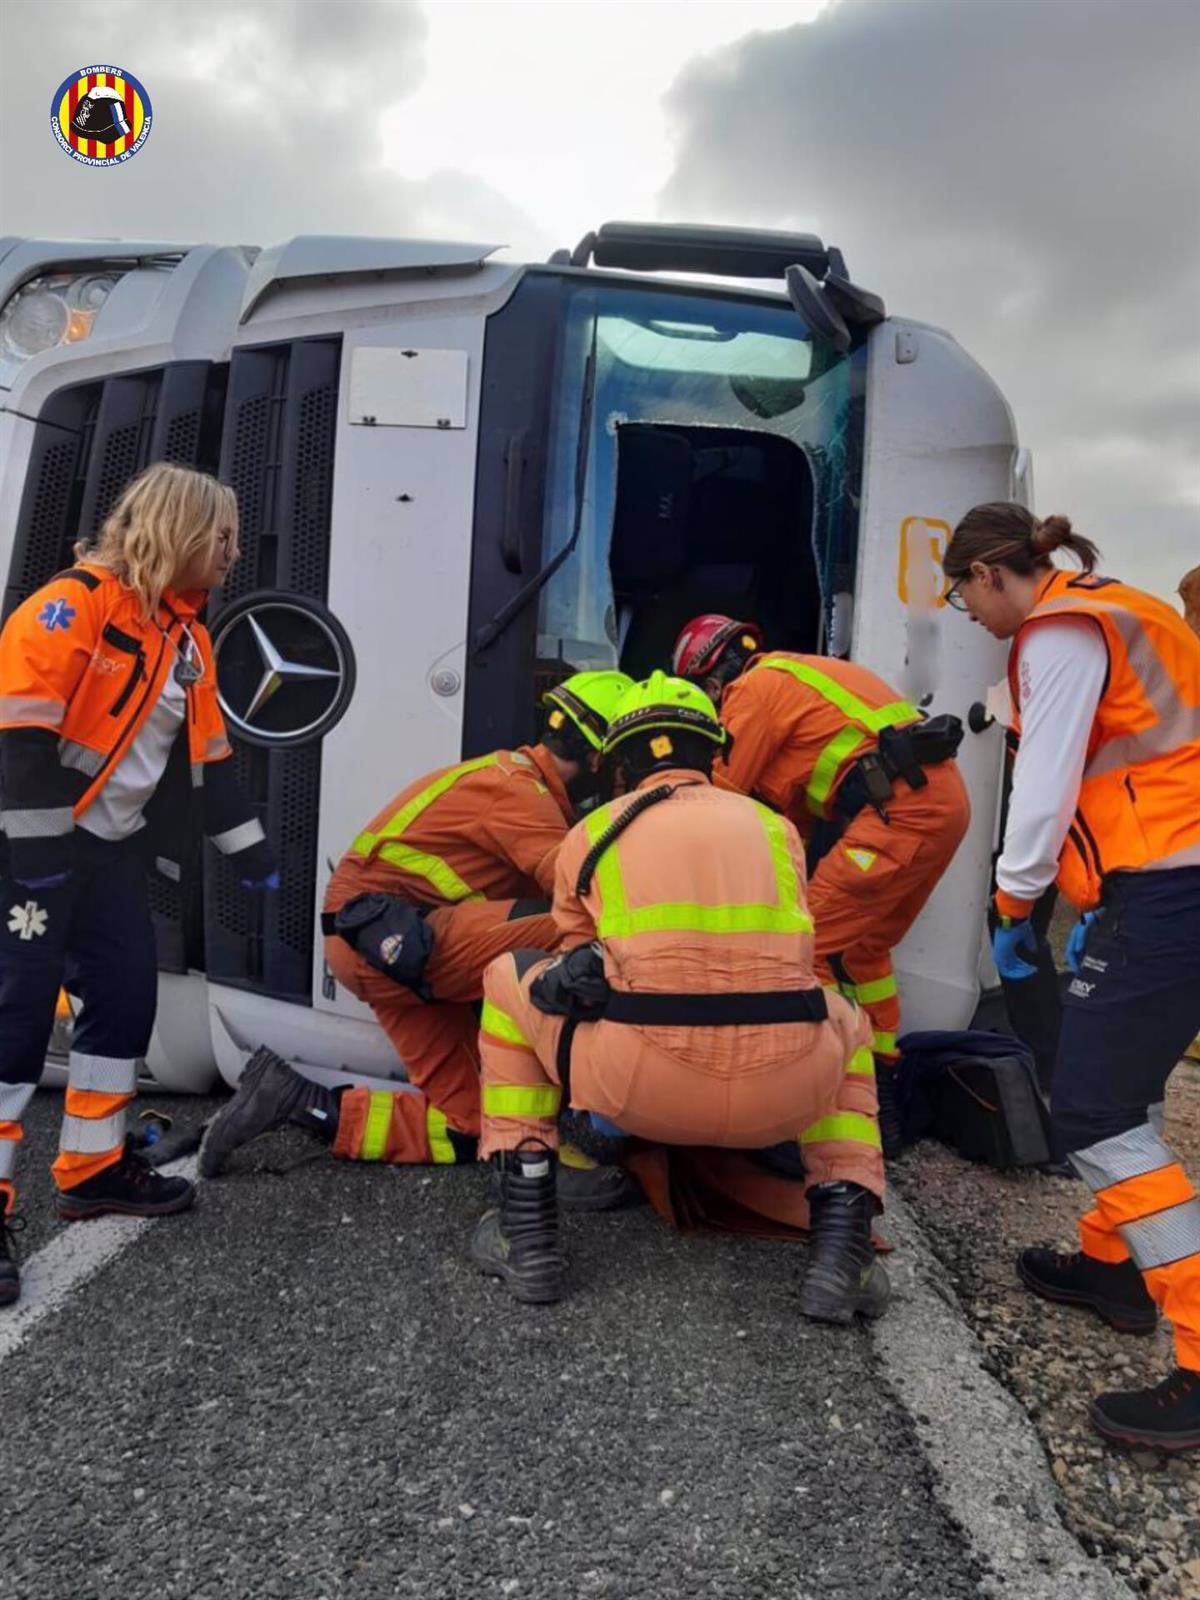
(723, 474)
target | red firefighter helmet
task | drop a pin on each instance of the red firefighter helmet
(705, 640)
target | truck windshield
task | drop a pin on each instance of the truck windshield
(722, 466)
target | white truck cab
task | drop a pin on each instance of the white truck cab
(456, 475)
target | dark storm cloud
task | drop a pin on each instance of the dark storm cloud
(266, 123)
(1022, 172)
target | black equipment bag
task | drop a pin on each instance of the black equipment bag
(389, 933)
(977, 1092)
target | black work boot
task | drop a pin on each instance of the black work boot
(1115, 1291)
(585, 1184)
(10, 1273)
(891, 1127)
(270, 1094)
(128, 1188)
(518, 1242)
(841, 1275)
(1166, 1417)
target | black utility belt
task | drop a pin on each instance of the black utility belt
(574, 986)
(901, 753)
(715, 1010)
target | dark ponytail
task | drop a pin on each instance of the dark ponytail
(1003, 534)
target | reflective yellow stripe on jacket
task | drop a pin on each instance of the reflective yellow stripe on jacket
(863, 723)
(387, 845)
(618, 921)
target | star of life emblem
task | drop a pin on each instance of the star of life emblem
(28, 921)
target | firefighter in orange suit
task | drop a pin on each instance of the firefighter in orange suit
(111, 740)
(1105, 801)
(826, 741)
(463, 860)
(684, 1007)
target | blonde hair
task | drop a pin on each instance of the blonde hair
(161, 523)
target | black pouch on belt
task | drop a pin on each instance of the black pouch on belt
(573, 986)
(922, 744)
(391, 934)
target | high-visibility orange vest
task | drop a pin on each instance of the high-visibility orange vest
(80, 661)
(1139, 801)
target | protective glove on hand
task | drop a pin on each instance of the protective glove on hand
(256, 866)
(265, 885)
(1009, 940)
(1077, 939)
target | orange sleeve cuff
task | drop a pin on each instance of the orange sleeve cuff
(1009, 906)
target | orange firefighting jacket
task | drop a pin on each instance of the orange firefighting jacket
(798, 724)
(486, 829)
(80, 671)
(1139, 802)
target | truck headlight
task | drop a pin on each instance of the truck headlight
(56, 309)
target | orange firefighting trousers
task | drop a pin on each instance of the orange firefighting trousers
(437, 1041)
(868, 890)
(819, 1092)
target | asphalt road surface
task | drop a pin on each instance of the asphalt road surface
(304, 1389)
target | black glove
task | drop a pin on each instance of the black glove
(573, 985)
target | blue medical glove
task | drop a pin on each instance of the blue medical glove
(266, 885)
(1009, 939)
(1078, 939)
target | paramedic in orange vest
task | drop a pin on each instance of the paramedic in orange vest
(826, 741)
(1105, 682)
(110, 731)
(458, 868)
(684, 1008)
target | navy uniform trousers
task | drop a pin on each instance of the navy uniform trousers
(92, 934)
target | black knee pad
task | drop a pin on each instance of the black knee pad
(528, 908)
(524, 959)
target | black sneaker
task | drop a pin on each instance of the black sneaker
(1113, 1290)
(10, 1274)
(1166, 1417)
(129, 1188)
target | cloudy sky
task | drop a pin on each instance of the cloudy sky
(1022, 172)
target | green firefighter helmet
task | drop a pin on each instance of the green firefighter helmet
(587, 700)
(658, 707)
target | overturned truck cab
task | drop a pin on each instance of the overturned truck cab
(459, 478)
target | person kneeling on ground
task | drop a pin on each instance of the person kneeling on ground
(685, 1010)
(835, 748)
(444, 879)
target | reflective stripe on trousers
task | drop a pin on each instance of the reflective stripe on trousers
(98, 1090)
(1147, 1208)
(399, 1126)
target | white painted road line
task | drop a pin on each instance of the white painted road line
(70, 1259)
(989, 1465)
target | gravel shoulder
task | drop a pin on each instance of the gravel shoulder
(1140, 1512)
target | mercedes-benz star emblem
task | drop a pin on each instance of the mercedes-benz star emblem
(285, 668)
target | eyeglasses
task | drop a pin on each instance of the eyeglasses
(954, 596)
